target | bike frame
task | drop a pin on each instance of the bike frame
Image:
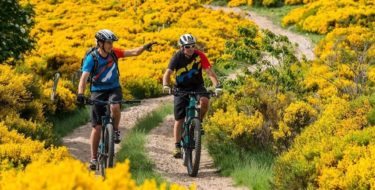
(106, 119)
(192, 111)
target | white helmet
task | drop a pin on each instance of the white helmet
(186, 39)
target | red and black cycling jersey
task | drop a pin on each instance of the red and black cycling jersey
(189, 70)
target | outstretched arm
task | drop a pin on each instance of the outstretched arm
(212, 76)
(139, 50)
(134, 52)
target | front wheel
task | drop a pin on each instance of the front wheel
(193, 151)
(109, 145)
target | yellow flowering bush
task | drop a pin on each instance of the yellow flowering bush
(250, 116)
(235, 125)
(261, 96)
(64, 99)
(72, 174)
(36, 130)
(332, 152)
(319, 79)
(342, 67)
(295, 118)
(21, 109)
(325, 15)
(299, 114)
(14, 93)
(371, 74)
(19, 151)
(345, 45)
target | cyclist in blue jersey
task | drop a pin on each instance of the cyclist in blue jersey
(101, 67)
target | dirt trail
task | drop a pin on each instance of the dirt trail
(305, 46)
(78, 142)
(160, 145)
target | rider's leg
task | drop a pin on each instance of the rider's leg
(180, 104)
(203, 103)
(116, 115)
(177, 137)
(94, 140)
(177, 130)
(116, 95)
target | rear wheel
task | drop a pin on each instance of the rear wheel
(193, 151)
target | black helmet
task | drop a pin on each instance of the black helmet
(105, 35)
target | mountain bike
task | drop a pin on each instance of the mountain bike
(191, 131)
(106, 148)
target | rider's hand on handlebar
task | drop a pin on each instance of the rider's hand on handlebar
(218, 90)
(167, 89)
(81, 100)
(148, 47)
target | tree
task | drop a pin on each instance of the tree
(16, 22)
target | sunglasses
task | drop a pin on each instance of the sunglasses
(188, 47)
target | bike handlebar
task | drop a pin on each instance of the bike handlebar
(179, 92)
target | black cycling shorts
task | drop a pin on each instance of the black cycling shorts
(97, 111)
(181, 102)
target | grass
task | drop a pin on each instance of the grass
(276, 14)
(251, 169)
(65, 123)
(133, 146)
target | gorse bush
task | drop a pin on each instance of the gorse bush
(345, 66)
(72, 174)
(334, 152)
(21, 110)
(296, 117)
(17, 151)
(325, 15)
(251, 111)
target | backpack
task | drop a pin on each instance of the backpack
(93, 53)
